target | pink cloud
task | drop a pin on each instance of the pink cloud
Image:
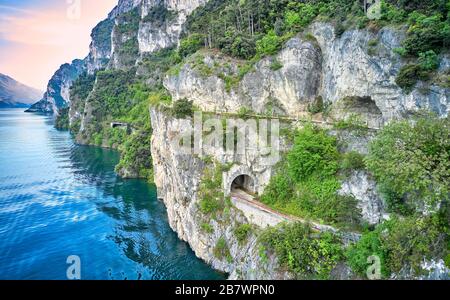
(39, 40)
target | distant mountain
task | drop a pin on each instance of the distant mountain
(16, 94)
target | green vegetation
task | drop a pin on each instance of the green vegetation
(127, 42)
(62, 119)
(159, 15)
(136, 156)
(79, 92)
(275, 65)
(206, 227)
(191, 44)
(317, 106)
(242, 232)
(123, 96)
(308, 183)
(182, 108)
(269, 44)
(251, 29)
(221, 250)
(212, 200)
(401, 242)
(352, 122)
(409, 75)
(411, 162)
(244, 111)
(352, 161)
(306, 254)
(101, 34)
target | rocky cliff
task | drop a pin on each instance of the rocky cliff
(315, 64)
(57, 94)
(311, 66)
(178, 177)
(349, 74)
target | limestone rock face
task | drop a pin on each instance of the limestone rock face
(289, 89)
(162, 22)
(351, 67)
(177, 177)
(363, 188)
(318, 65)
(100, 47)
(58, 89)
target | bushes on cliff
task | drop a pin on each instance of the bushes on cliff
(426, 33)
(242, 232)
(269, 44)
(306, 254)
(409, 75)
(221, 250)
(135, 158)
(309, 181)
(191, 44)
(411, 162)
(182, 108)
(62, 119)
(401, 243)
(211, 196)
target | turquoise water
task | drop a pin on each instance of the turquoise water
(59, 199)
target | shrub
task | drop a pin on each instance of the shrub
(62, 119)
(206, 227)
(275, 65)
(368, 245)
(305, 254)
(191, 44)
(244, 111)
(316, 106)
(372, 43)
(429, 60)
(425, 33)
(135, 156)
(314, 151)
(306, 183)
(279, 190)
(221, 250)
(400, 51)
(401, 243)
(301, 16)
(212, 200)
(409, 75)
(269, 44)
(352, 161)
(411, 161)
(242, 232)
(182, 108)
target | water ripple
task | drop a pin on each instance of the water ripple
(59, 199)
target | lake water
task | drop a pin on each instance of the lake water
(59, 199)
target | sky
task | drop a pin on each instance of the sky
(37, 36)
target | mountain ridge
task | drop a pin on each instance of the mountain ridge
(16, 94)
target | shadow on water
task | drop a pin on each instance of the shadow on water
(141, 229)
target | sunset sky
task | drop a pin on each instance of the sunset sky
(37, 36)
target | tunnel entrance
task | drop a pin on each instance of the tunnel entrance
(244, 182)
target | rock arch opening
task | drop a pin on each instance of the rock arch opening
(244, 182)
